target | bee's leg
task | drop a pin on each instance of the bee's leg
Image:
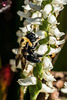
(32, 59)
(34, 46)
(37, 55)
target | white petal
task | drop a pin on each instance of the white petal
(65, 84)
(34, 20)
(50, 84)
(15, 51)
(52, 19)
(56, 32)
(64, 90)
(54, 50)
(63, 2)
(47, 89)
(57, 9)
(28, 70)
(27, 7)
(22, 14)
(36, 14)
(26, 2)
(48, 76)
(40, 34)
(28, 81)
(13, 66)
(35, 6)
(47, 10)
(47, 63)
(42, 49)
(26, 28)
(12, 62)
(19, 33)
(52, 40)
(60, 42)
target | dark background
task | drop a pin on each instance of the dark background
(9, 24)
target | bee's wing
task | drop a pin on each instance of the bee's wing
(23, 62)
(18, 57)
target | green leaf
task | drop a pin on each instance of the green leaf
(44, 41)
(39, 84)
(44, 25)
(53, 46)
(34, 90)
(37, 71)
(46, 2)
(48, 50)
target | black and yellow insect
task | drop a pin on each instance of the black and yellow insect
(27, 48)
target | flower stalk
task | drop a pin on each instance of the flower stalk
(41, 20)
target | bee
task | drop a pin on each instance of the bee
(26, 50)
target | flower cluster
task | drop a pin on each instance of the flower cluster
(41, 19)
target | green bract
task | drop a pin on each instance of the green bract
(37, 71)
(45, 2)
(44, 41)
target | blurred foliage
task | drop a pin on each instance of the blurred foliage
(61, 62)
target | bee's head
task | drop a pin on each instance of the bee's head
(31, 36)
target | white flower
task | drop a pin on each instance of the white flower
(40, 34)
(54, 50)
(47, 89)
(35, 6)
(26, 28)
(47, 10)
(22, 14)
(13, 65)
(56, 32)
(27, 7)
(57, 9)
(52, 19)
(52, 40)
(26, 1)
(28, 81)
(47, 63)
(49, 83)
(28, 70)
(36, 20)
(36, 14)
(39, 2)
(60, 2)
(15, 51)
(64, 90)
(42, 49)
(19, 33)
(60, 42)
(48, 76)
